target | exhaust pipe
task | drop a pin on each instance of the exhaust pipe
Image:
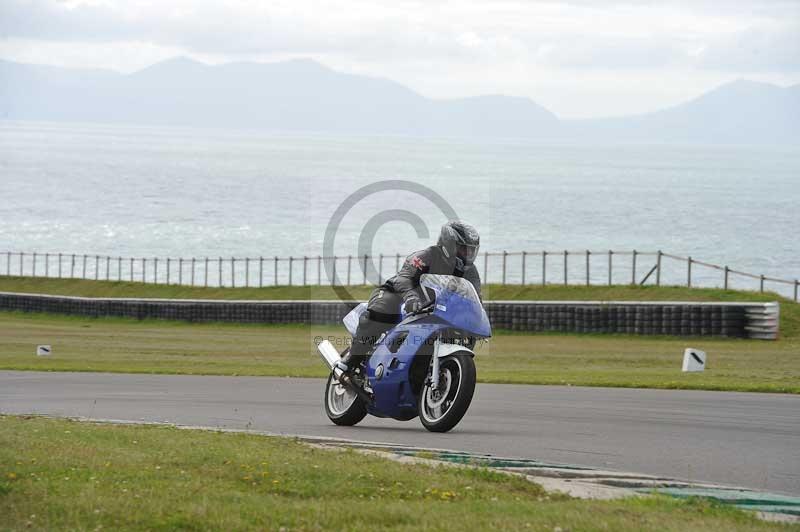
(328, 353)
(331, 356)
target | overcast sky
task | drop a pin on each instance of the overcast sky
(577, 58)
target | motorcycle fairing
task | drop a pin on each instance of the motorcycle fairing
(393, 394)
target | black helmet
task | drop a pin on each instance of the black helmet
(459, 239)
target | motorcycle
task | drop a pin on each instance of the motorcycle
(423, 366)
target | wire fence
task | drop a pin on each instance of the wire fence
(516, 268)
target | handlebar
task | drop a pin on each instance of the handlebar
(426, 308)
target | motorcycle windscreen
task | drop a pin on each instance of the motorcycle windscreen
(458, 304)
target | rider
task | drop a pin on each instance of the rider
(453, 254)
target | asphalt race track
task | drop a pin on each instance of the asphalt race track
(740, 439)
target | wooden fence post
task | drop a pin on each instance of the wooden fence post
(544, 268)
(588, 253)
(365, 268)
(658, 269)
(36, 269)
(219, 273)
(275, 271)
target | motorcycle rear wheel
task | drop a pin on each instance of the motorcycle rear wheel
(440, 411)
(342, 405)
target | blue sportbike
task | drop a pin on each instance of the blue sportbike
(423, 366)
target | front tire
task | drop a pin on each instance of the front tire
(342, 405)
(442, 410)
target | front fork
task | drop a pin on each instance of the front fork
(434, 378)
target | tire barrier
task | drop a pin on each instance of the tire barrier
(739, 320)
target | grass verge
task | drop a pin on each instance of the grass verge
(122, 345)
(63, 475)
(150, 346)
(790, 311)
(90, 288)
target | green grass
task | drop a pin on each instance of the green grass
(62, 475)
(790, 311)
(150, 346)
(80, 287)
(89, 288)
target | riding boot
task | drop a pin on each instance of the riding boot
(356, 355)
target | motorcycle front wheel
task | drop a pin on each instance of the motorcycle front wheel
(441, 410)
(342, 405)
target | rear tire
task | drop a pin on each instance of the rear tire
(342, 405)
(441, 411)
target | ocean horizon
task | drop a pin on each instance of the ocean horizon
(140, 191)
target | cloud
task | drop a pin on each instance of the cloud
(578, 57)
(621, 35)
(756, 50)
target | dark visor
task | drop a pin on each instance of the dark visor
(467, 253)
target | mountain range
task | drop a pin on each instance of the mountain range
(304, 96)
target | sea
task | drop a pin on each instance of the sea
(137, 191)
